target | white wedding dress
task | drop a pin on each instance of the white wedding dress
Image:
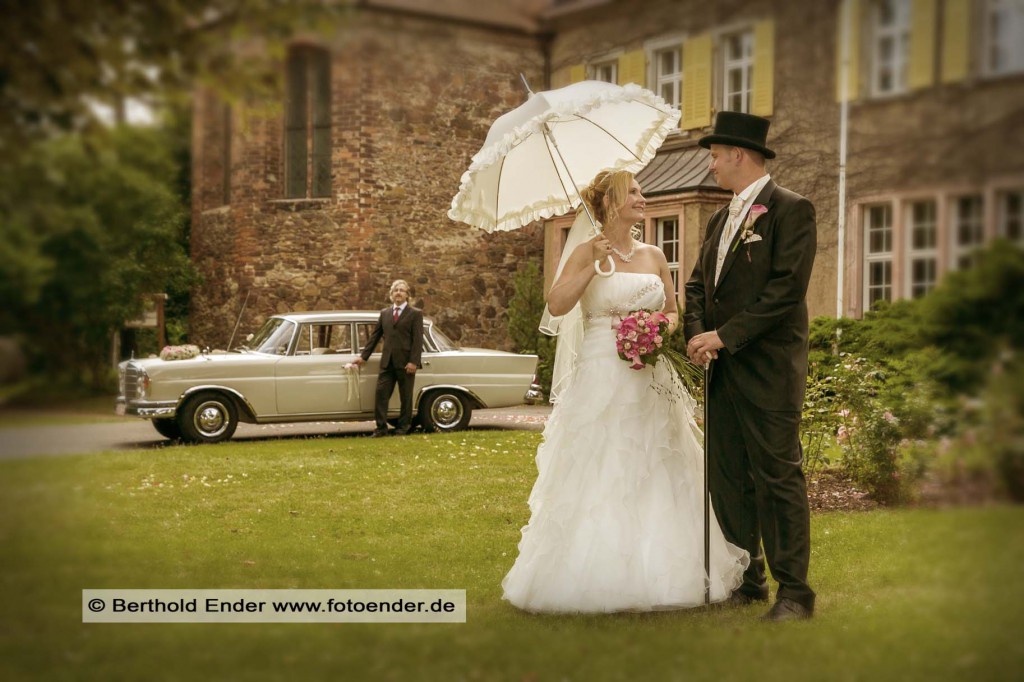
(617, 510)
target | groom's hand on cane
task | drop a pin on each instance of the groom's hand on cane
(703, 348)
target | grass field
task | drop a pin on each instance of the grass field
(903, 595)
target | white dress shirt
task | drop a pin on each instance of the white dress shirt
(747, 196)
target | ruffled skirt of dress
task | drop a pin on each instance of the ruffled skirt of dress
(617, 510)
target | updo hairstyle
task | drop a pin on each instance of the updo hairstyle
(613, 185)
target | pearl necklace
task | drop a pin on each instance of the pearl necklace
(626, 257)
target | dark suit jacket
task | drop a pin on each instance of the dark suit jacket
(759, 306)
(403, 340)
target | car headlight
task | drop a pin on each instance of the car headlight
(143, 385)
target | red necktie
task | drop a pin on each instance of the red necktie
(396, 314)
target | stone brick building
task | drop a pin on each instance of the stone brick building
(345, 187)
(322, 205)
(935, 122)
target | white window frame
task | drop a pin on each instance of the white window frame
(927, 253)
(744, 63)
(1002, 46)
(1004, 215)
(959, 251)
(663, 79)
(612, 69)
(659, 233)
(875, 257)
(898, 32)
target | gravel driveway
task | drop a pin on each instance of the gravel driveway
(53, 440)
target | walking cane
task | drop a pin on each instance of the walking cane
(707, 493)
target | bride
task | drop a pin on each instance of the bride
(617, 511)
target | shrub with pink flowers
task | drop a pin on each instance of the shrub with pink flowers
(876, 443)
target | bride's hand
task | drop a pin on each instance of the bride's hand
(601, 248)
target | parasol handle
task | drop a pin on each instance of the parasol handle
(554, 143)
(611, 268)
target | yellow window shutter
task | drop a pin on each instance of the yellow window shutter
(633, 68)
(577, 73)
(696, 82)
(956, 38)
(852, 9)
(763, 95)
(921, 73)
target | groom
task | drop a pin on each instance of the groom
(746, 310)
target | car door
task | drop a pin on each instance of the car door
(368, 380)
(312, 379)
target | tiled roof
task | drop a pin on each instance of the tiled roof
(523, 15)
(677, 170)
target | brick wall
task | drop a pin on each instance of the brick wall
(412, 100)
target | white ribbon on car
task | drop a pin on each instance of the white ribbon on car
(353, 381)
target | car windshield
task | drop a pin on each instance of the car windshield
(442, 342)
(273, 337)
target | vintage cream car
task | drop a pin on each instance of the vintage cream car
(294, 369)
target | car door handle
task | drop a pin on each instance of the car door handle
(426, 363)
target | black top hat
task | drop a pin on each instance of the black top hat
(739, 130)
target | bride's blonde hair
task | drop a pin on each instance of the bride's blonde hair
(611, 185)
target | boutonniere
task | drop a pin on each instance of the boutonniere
(747, 236)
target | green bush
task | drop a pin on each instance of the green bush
(524, 313)
(96, 224)
(974, 314)
(985, 457)
(870, 432)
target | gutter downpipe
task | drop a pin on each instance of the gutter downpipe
(844, 115)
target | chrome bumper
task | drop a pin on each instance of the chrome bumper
(534, 395)
(147, 409)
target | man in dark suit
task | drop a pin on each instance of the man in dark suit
(401, 327)
(746, 314)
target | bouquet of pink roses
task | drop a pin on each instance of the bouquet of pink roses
(639, 338)
(179, 352)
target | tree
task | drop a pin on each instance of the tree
(60, 58)
(99, 224)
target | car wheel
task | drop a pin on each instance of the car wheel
(444, 411)
(207, 418)
(168, 428)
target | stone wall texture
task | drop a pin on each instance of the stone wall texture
(412, 100)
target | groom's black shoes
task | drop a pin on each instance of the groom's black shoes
(787, 609)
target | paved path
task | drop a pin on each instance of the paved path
(52, 440)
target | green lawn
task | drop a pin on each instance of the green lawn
(903, 595)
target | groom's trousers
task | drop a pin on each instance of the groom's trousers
(758, 488)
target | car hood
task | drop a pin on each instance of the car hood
(202, 364)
